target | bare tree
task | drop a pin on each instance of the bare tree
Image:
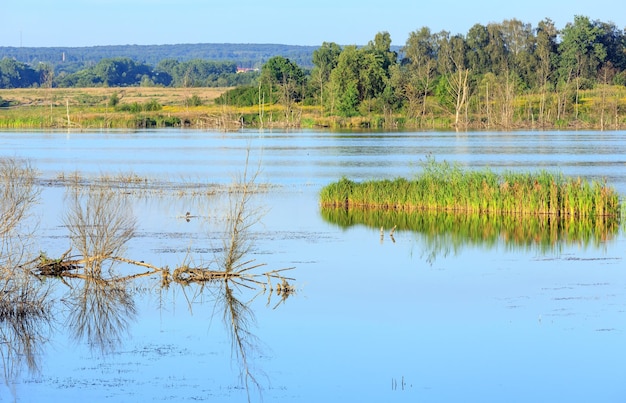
(100, 222)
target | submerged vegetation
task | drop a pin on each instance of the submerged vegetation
(446, 187)
(98, 275)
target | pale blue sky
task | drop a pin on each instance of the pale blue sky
(293, 22)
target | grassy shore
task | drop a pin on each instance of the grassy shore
(446, 187)
(141, 107)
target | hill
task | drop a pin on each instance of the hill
(245, 55)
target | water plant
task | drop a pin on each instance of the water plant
(447, 187)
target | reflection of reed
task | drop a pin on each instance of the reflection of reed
(517, 231)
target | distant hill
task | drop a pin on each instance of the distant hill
(245, 55)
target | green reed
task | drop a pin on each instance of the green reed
(446, 187)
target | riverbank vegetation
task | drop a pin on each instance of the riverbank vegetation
(446, 187)
(506, 75)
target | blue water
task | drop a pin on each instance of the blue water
(371, 320)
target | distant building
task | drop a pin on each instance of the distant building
(246, 69)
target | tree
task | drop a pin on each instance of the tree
(581, 53)
(420, 62)
(345, 81)
(14, 74)
(614, 42)
(325, 60)
(546, 55)
(455, 81)
(477, 40)
(519, 41)
(282, 73)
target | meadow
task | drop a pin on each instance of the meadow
(156, 107)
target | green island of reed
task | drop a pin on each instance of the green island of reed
(447, 187)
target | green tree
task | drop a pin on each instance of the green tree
(14, 74)
(418, 71)
(581, 54)
(546, 56)
(614, 42)
(477, 40)
(281, 73)
(121, 71)
(454, 86)
(325, 60)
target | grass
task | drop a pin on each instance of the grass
(82, 108)
(446, 187)
(602, 108)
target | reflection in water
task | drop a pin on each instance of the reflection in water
(100, 222)
(234, 271)
(444, 232)
(24, 313)
(23, 334)
(100, 312)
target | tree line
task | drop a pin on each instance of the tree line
(496, 74)
(123, 71)
(72, 59)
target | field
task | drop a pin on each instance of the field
(142, 107)
(131, 107)
(100, 96)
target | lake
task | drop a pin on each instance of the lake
(430, 312)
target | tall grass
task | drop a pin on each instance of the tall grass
(446, 187)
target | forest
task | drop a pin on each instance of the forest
(505, 74)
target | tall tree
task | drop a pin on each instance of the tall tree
(477, 40)
(581, 53)
(325, 60)
(546, 55)
(455, 73)
(419, 64)
(280, 72)
(345, 81)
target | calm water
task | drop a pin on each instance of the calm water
(413, 318)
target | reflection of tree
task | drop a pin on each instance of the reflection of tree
(100, 311)
(23, 332)
(23, 311)
(100, 222)
(233, 271)
(445, 232)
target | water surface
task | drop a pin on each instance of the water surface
(413, 318)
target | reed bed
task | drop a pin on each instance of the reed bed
(446, 187)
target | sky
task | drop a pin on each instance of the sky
(69, 23)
